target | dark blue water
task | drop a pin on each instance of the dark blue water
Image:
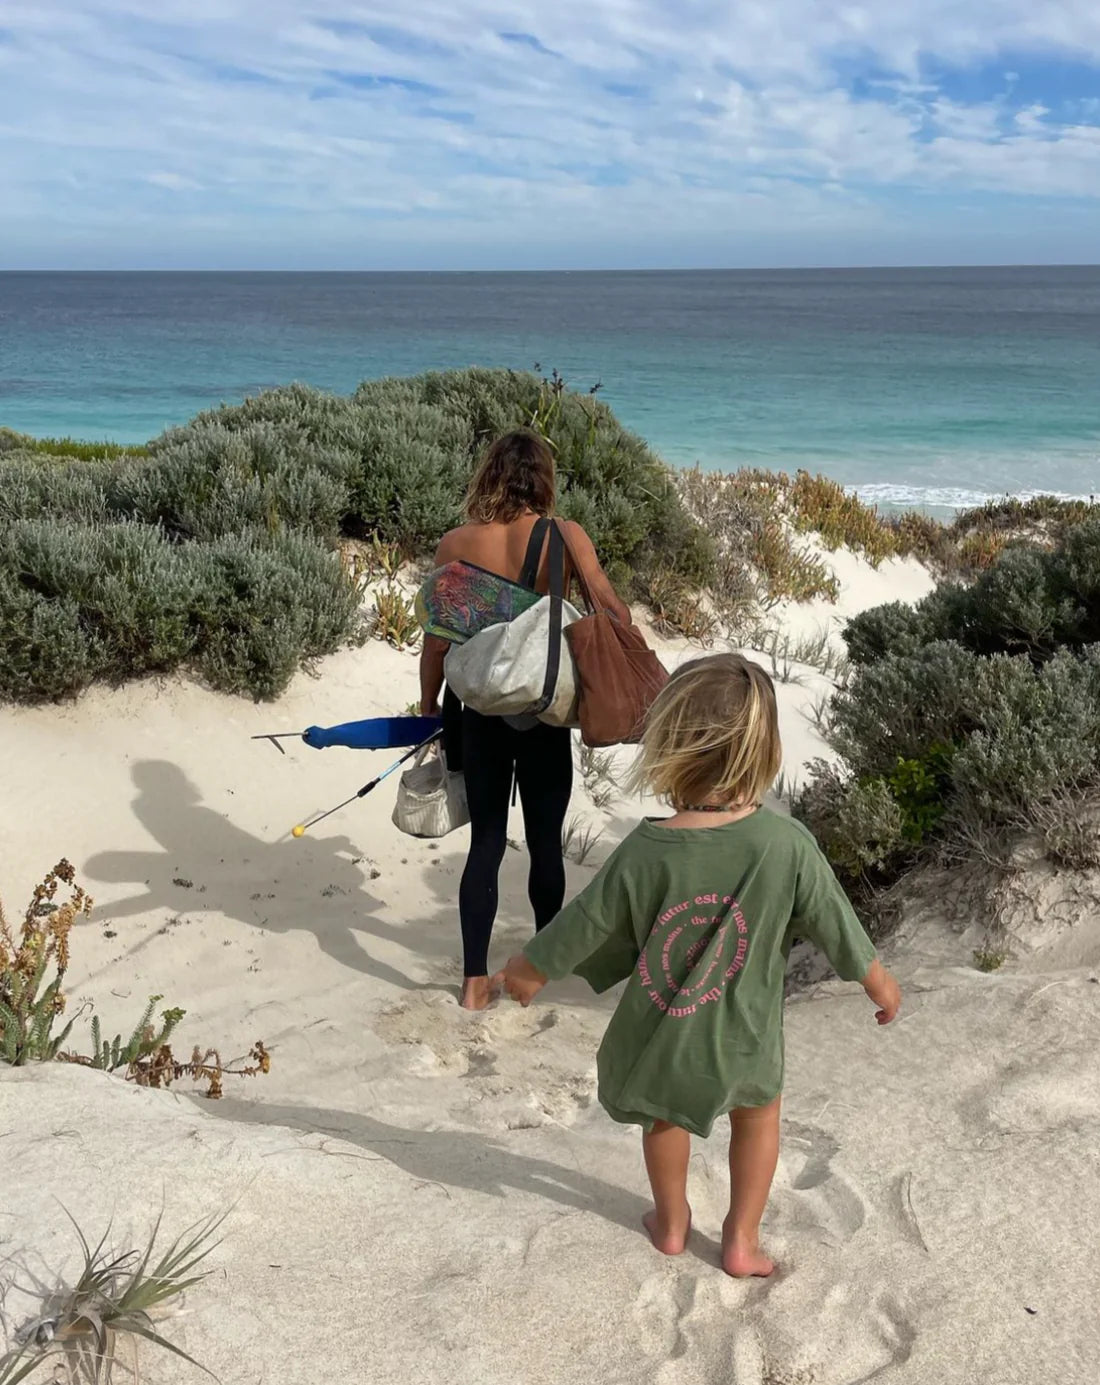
(933, 385)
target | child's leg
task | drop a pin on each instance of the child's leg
(754, 1153)
(667, 1153)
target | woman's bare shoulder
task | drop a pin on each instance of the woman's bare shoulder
(578, 536)
(453, 543)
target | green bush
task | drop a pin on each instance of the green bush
(903, 705)
(920, 788)
(209, 481)
(895, 628)
(212, 547)
(857, 822)
(1015, 607)
(267, 605)
(1075, 578)
(1038, 736)
(45, 652)
(416, 442)
(134, 592)
(32, 485)
(80, 603)
(973, 713)
(1031, 601)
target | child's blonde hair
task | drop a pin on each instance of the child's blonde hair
(712, 736)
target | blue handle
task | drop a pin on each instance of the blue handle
(377, 733)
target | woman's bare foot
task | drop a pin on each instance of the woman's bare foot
(670, 1237)
(477, 992)
(744, 1259)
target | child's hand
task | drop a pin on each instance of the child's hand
(520, 979)
(883, 989)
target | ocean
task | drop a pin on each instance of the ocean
(931, 387)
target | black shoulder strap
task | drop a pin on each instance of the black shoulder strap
(530, 574)
(556, 599)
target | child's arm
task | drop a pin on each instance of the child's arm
(521, 979)
(592, 936)
(824, 915)
(882, 987)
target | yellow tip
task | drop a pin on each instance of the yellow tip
(298, 831)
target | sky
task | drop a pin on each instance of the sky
(470, 134)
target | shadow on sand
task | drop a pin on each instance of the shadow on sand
(206, 862)
(462, 1159)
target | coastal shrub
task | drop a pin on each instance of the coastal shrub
(1014, 607)
(857, 822)
(791, 572)
(1070, 824)
(1075, 578)
(208, 481)
(679, 611)
(969, 748)
(822, 506)
(1037, 734)
(901, 706)
(918, 534)
(207, 549)
(267, 604)
(45, 651)
(758, 556)
(1031, 601)
(895, 628)
(80, 603)
(417, 441)
(32, 486)
(1047, 514)
(134, 592)
(974, 553)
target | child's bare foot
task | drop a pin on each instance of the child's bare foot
(743, 1259)
(669, 1236)
(477, 992)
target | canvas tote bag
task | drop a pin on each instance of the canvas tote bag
(523, 668)
(431, 801)
(617, 674)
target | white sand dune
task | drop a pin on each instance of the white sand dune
(421, 1195)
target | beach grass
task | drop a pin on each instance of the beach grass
(80, 450)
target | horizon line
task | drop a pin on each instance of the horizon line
(587, 269)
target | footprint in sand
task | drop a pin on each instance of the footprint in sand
(818, 1195)
(472, 1045)
(880, 1336)
(659, 1310)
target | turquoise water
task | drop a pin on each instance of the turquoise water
(935, 386)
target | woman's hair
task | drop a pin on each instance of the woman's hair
(712, 735)
(516, 474)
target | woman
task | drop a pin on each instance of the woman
(511, 491)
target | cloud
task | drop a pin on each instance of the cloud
(174, 182)
(663, 130)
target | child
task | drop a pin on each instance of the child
(699, 911)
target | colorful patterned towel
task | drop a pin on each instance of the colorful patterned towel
(460, 600)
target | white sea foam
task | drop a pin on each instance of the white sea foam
(947, 497)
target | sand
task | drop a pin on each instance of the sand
(422, 1195)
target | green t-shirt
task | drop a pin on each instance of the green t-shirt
(699, 922)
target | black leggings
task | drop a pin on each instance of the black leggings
(541, 760)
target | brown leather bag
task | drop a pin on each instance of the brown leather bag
(618, 675)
